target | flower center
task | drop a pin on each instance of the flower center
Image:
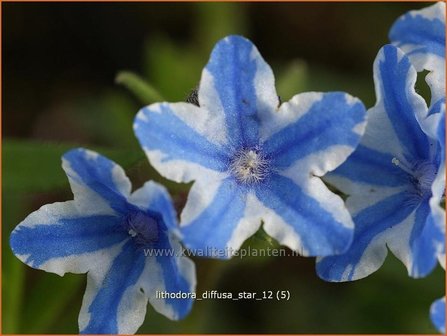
(142, 227)
(249, 166)
(422, 174)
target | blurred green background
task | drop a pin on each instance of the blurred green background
(60, 63)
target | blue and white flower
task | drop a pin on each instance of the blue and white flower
(421, 35)
(252, 159)
(437, 314)
(122, 240)
(395, 179)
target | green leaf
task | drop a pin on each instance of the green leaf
(49, 297)
(13, 270)
(292, 80)
(217, 20)
(114, 112)
(144, 91)
(36, 166)
(173, 68)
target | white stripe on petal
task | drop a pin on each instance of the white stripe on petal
(318, 163)
(201, 195)
(213, 121)
(248, 224)
(180, 170)
(278, 229)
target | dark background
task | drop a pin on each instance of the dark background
(59, 65)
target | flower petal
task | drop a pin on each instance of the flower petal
(427, 242)
(171, 272)
(436, 82)
(155, 197)
(395, 79)
(113, 302)
(308, 218)
(98, 184)
(433, 125)
(437, 314)
(377, 222)
(180, 140)
(58, 238)
(314, 124)
(239, 87)
(117, 292)
(421, 34)
(218, 223)
(367, 166)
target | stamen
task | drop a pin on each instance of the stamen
(405, 167)
(249, 166)
(421, 175)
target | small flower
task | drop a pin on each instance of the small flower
(421, 35)
(252, 159)
(437, 314)
(114, 236)
(395, 179)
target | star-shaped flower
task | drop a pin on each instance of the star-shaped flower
(252, 159)
(122, 240)
(395, 179)
(421, 35)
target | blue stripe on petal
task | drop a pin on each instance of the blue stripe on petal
(214, 227)
(427, 34)
(124, 273)
(67, 237)
(174, 280)
(369, 166)
(437, 314)
(425, 239)
(161, 129)
(319, 231)
(370, 223)
(233, 70)
(99, 174)
(328, 122)
(398, 99)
